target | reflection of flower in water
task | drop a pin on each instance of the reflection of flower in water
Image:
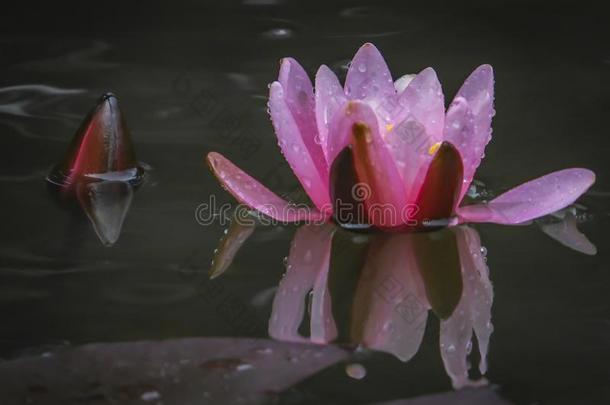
(375, 291)
(403, 276)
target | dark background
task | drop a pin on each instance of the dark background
(192, 77)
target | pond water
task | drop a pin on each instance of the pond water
(119, 307)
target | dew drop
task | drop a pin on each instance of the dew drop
(355, 371)
(308, 256)
(244, 367)
(150, 396)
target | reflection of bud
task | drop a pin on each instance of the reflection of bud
(361, 192)
(106, 204)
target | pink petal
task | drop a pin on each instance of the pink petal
(409, 145)
(250, 192)
(460, 131)
(439, 193)
(308, 263)
(329, 98)
(391, 299)
(368, 76)
(417, 125)
(423, 100)
(478, 92)
(299, 97)
(299, 148)
(533, 199)
(373, 161)
(340, 130)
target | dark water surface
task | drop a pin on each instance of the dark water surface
(192, 79)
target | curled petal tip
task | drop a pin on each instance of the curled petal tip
(212, 159)
(429, 71)
(484, 70)
(275, 87)
(284, 68)
(589, 175)
(368, 76)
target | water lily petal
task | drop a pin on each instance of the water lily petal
(340, 130)
(460, 131)
(299, 97)
(250, 192)
(348, 208)
(423, 99)
(533, 199)
(380, 185)
(329, 98)
(439, 193)
(368, 76)
(308, 262)
(302, 153)
(478, 93)
(409, 144)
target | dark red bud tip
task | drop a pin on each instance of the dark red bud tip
(101, 148)
(107, 96)
(439, 193)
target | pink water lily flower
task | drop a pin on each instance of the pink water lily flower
(386, 153)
